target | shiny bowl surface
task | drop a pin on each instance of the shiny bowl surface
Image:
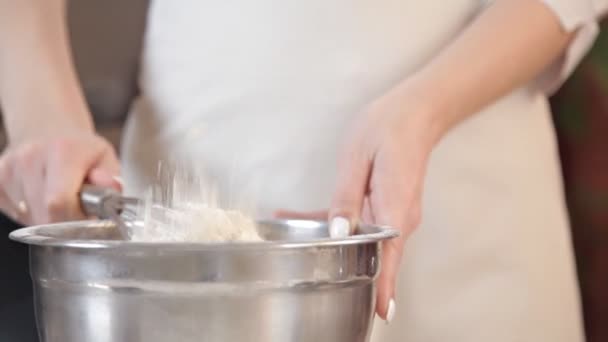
(297, 285)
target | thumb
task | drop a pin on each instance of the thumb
(391, 259)
(396, 203)
(106, 173)
(392, 251)
(347, 202)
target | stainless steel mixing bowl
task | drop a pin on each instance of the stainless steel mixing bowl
(299, 285)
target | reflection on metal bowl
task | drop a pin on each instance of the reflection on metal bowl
(298, 285)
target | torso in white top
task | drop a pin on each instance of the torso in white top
(260, 93)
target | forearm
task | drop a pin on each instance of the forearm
(510, 44)
(39, 89)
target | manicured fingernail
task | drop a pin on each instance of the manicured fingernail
(339, 228)
(390, 312)
(119, 180)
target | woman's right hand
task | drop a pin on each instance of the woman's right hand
(40, 179)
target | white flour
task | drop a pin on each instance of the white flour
(183, 208)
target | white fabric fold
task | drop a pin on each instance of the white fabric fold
(575, 15)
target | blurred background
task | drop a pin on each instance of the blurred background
(107, 38)
(581, 118)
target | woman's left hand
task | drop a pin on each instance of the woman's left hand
(381, 169)
(380, 177)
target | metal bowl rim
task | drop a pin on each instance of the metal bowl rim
(31, 236)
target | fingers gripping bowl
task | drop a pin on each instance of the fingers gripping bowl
(296, 285)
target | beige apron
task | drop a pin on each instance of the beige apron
(259, 94)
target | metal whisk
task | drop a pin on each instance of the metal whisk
(107, 203)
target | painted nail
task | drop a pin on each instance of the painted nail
(22, 208)
(119, 180)
(339, 228)
(390, 312)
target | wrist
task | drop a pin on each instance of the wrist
(425, 107)
(48, 125)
